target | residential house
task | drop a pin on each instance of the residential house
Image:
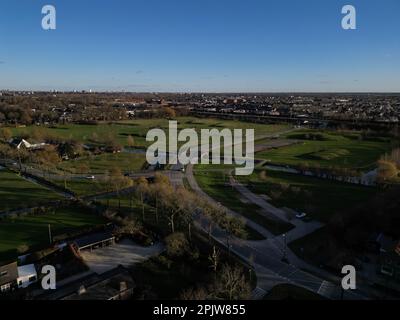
(8, 277)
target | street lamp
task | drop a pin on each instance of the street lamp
(284, 258)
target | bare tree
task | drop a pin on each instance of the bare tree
(194, 294)
(142, 188)
(214, 258)
(232, 284)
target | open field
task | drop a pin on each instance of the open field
(326, 149)
(16, 192)
(216, 185)
(318, 197)
(32, 231)
(101, 164)
(138, 129)
(84, 187)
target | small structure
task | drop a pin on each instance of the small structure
(95, 240)
(116, 284)
(27, 275)
(23, 144)
(8, 277)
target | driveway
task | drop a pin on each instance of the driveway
(125, 253)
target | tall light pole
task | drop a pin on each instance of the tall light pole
(51, 241)
(284, 248)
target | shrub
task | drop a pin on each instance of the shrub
(177, 244)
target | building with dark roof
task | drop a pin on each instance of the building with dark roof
(95, 240)
(8, 277)
(116, 284)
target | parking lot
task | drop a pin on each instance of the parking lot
(125, 253)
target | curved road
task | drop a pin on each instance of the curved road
(265, 256)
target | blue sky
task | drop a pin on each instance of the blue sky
(201, 45)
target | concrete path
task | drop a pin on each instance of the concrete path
(301, 229)
(196, 188)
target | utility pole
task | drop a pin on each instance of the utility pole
(51, 241)
(284, 258)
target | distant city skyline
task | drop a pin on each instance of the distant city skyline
(201, 46)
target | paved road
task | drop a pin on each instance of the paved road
(266, 256)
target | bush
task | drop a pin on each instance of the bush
(177, 244)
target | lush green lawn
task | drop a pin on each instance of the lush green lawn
(215, 184)
(138, 129)
(318, 197)
(325, 149)
(84, 187)
(97, 165)
(33, 230)
(16, 192)
(100, 164)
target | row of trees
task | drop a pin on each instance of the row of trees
(15, 115)
(62, 108)
(174, 209)
(179, 206)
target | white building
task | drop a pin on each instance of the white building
(25, 144)
(26, 275)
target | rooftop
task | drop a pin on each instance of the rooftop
(8, 273)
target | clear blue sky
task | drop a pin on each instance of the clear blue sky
(201, 45)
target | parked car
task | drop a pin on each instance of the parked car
(301, 215)
(90, 177)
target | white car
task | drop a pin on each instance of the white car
(90, 177)
(301, 215)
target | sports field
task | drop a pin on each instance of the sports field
(329, 150)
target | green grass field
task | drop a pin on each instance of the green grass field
(215, 184)
(32, 231)
(16, 192)
(324, 150)
(138, 129)
(84, 187)
(318, 197)
(100, 164)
